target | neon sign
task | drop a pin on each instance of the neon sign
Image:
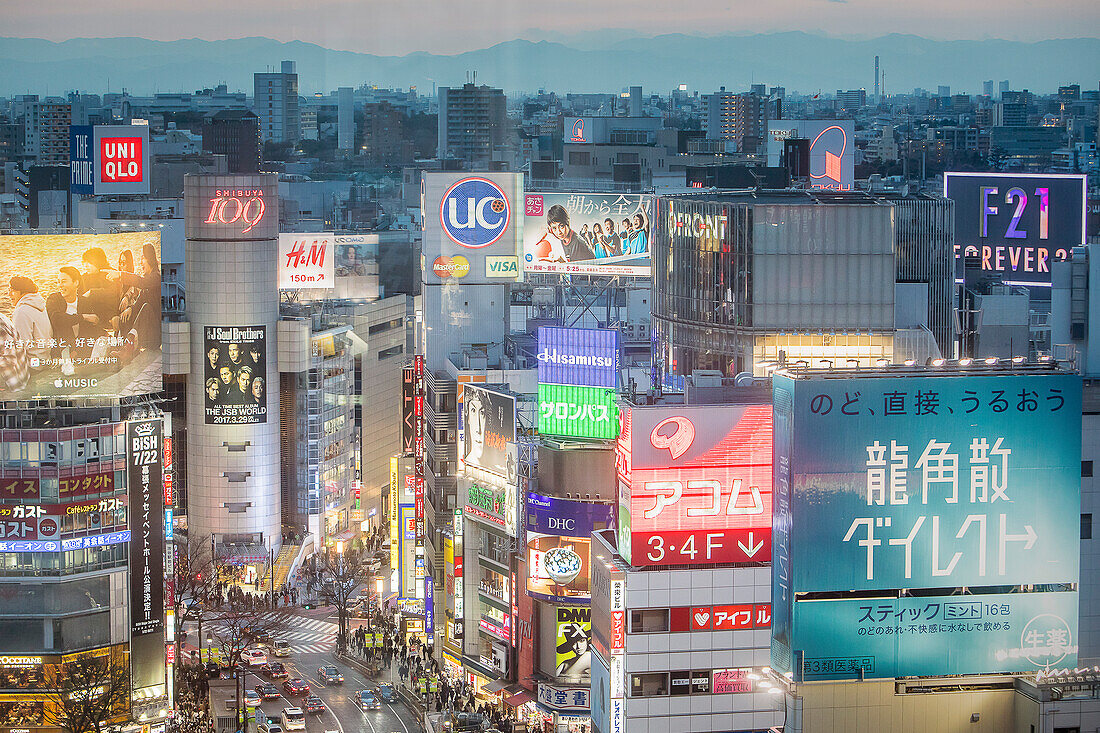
(231, 206)
(833, 161)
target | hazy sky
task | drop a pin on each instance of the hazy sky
(397, 27)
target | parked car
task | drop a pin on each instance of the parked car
(267, 691)
(314, 704)
(274, 670)
(367, 700)
(280, 648)
(387, 693)
(330, 675)
(296, 686)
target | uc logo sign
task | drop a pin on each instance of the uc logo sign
(475, 213)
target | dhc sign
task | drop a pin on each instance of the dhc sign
(475, 213)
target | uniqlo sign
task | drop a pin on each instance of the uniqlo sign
(695, 484)
(121, 162)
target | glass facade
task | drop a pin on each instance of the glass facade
(733, 274)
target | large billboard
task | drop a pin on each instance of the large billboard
(573, 655)
(109, 159)
(578, 412)
(695, 484)
(83, 319)
(558, 546)
(1017, 224)
(587, 233)
(245, 209)
(145, 476)
(487, 424)
(235, 372)
(307, 261)
(587, 357)
(831, 145)
(937, 482)
(490, 503)
(470, 222)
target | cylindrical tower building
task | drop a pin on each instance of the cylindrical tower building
(233, 388)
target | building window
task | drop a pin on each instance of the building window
(579, 158)
(1086, 469)
(1086, 526)
(650, 684)
(392, 351)
(649, 621)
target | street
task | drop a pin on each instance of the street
(312, 639)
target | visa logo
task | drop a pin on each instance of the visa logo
(502, 267)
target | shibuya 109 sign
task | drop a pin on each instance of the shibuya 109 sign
(695, 484)
(227, 208)
(934, 482)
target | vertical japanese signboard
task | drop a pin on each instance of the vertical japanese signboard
(418, 456)
(145, 476)
(393, 513)
(937, 482)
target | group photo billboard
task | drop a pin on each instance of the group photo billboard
(930, 482)
(695, 484)
(235, 370)
(471, 220)
(587, 233)
(487, 424)
(1017, 224)
(81, 317)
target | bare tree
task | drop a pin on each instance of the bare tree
(89, 693)
(341, 574)
(196, 583)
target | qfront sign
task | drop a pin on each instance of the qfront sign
(695, 484)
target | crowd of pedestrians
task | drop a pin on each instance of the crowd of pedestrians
(192, 711)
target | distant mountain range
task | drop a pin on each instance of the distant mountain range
(798, 61)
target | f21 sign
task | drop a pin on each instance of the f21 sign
(1017, 224)
(695, 484)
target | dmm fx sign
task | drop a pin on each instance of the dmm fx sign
(927, 482)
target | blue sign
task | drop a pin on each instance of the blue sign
(565, 517)
(475, 213)
(73, 543)
(935, 635)
(81, 159)
(933, 482)
(167, 523)
(922, 482)
(429, 605)
(585, 357)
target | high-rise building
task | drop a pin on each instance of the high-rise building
(384, 141)
(234, 133)
(851, 99)
(345, 118)
(46, 130)
(987, 88)
(275, 102)
(472, 123)
(943, 91)
(1003, 87)
(739, 118)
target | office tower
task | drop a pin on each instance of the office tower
(987, 88)
(472, 123)
(46, 127)
(234, 133)
(635, 101)
(276, 104)
(852, 99)
(345, 118)
(943, 91)
(740, 118)
(1003, 87)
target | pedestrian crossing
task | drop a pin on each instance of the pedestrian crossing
(305, 635)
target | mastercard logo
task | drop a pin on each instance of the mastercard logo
(456, 267)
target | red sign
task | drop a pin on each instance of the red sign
(121, 159)
(19, 488)
(233, 206)
(168, 488)
(171, 653)
(726, 681)
(618, 630)
(167, 454)
(729, 618)
(698, 481)
(74, 486)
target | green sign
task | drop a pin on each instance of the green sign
(578, 412)
(487, 499)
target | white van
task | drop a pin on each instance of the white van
(293, 719)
